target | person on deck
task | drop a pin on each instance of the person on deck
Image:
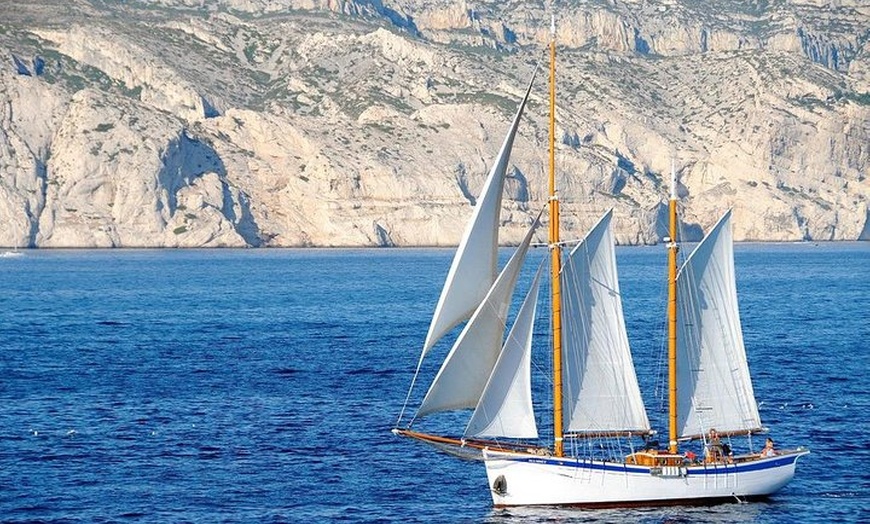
(768, 450)
(714, 447)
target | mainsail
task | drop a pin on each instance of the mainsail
(463, 374)
(505, 408)
(601, 393)
(474, 266)
(713, 384)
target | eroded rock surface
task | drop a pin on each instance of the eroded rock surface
(181, 123)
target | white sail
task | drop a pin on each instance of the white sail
(714, 389)
(600, 386)
(505, 408)
(463, 374)
(474, 266)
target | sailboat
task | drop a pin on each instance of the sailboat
(14, 253)
(601, 452)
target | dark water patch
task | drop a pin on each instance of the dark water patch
(287, 371)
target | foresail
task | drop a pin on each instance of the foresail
(505, 408)
(714, 389)
(474, 266)
(463, 374)
(600, 387)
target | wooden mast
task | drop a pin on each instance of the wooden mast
(672, 315)
(555, 258)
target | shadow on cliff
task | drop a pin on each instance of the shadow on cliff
(687, 232)
(865, 232)
(33, 214)
(187, 159)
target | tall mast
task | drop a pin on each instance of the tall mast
(672, 315)
(555, 257)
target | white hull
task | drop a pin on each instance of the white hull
(533, 480)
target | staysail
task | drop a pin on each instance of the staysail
(601, 393)
(714, 388)
(474, 266)
(463, 374)
(505, 408)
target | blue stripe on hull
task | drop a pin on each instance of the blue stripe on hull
(717, 469)
(722, 469)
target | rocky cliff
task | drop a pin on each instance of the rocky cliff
(186, 123)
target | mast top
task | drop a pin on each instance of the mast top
(673, 181)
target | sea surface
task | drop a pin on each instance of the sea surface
(261, 385)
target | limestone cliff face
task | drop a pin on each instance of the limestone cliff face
(123, 175)
(366, 122)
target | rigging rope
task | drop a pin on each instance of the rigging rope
(408, 396)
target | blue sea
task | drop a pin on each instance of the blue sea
(261, 385)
